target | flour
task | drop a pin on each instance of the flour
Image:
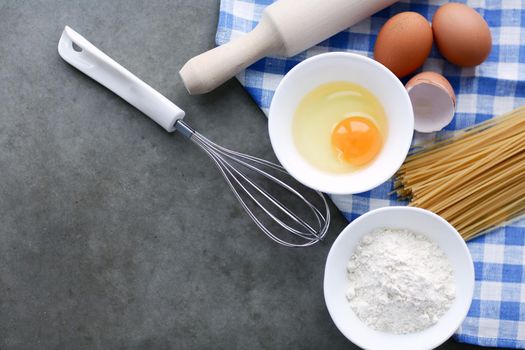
(400, 281)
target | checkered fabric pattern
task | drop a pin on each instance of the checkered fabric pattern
(497, 313)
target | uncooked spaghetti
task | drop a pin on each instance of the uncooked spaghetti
(475, 179)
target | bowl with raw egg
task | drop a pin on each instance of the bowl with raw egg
(341, 123)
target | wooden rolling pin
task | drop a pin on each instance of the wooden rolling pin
(287, 27)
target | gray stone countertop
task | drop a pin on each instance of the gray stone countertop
(117, 235)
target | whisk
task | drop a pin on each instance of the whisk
(251, 179)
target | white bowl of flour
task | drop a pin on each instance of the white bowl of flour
(398, 278)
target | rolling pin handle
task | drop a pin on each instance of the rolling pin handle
(212, 68)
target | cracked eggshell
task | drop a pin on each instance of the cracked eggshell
(433, 101)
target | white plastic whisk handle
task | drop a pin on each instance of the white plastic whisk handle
(99, 66)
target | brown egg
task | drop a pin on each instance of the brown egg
(404, 43)
(461, 34)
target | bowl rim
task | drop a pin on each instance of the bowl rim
(456, 237)
(327, 186)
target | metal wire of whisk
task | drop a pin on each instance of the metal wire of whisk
(234, 167)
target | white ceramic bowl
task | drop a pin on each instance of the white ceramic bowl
(418, 220)
(354, 68)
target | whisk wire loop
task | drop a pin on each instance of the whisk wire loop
(230, 164)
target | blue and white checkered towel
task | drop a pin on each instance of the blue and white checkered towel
(497, 313)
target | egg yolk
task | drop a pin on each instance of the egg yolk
(357, 140)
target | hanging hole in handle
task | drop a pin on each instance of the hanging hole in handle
(76, 47)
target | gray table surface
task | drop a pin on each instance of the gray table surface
(117, 235)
